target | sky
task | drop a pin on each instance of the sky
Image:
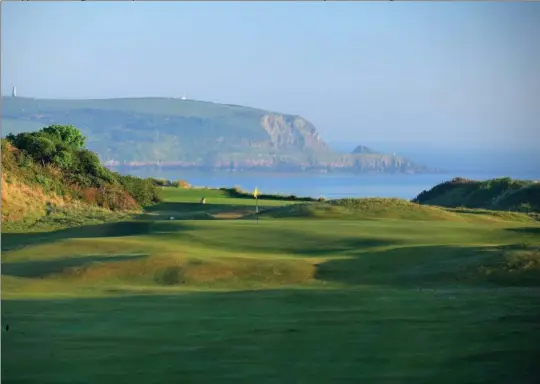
(441, 74)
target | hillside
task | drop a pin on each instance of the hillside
(49, 175)
(142, 132)
(363, 149)
(498, 194)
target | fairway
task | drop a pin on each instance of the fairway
(374, 292)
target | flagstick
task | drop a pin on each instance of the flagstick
(257, 208)
(256, 195)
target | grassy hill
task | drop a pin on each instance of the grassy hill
(498, 194)
(141, 132)
(48, 176)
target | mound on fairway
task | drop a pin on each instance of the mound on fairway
(383, 209)
(372, 208)
(167, 269)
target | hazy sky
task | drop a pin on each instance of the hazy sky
(441, 73)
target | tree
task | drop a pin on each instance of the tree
(67, 134)
(42, 148)
(38, 147)
(89, 162)
(21, 140)
(63, 159)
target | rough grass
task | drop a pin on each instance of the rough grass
(27, 208)
(515, 265)
(34, 189)
(499, 194)
(421, 294)
(20, 200)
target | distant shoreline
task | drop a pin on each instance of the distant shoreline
(269, 170)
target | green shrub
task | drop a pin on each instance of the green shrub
(143, 191)
(63, 159)
(88, 162)
(67, 134)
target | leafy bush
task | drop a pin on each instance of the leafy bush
(67, 134)
(160, 182)
(142, 190)
(163, 183)
(38, 146)
(88, 162)
(63, 159)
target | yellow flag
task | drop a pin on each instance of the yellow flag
(256, 192)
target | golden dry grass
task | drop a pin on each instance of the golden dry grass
(20, 200)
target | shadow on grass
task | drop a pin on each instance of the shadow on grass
(11, 241)
(397, 267)
(141, 224)
(42, 269)
(195, 211)
(272, 240)
(424, 266)
(526, 230)
(472, 211)
(186, 208)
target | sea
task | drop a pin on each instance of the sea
(330, 186)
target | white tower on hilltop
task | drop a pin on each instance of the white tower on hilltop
(14, 92)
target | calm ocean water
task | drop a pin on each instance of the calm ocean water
(327, 185)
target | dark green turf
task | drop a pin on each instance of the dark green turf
(361, 335)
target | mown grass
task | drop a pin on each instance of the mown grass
(368, 335)
(378, 291)
(217, 196)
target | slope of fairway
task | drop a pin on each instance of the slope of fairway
(218, 196)
(385, 209)
(420, 294)
(371, 208)
(185, 204)
(239, 254)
